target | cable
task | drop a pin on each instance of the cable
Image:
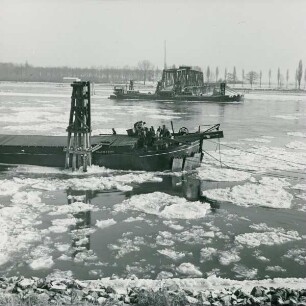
(242, 150)
(254, 171)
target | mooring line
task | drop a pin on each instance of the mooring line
(242, 150)
(254, 171)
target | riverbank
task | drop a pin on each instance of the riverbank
(195, 291)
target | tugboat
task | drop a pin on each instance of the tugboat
(141, 148)
(181, 84)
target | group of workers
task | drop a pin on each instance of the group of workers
(148, 136)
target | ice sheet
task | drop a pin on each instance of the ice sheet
(269, 192)
(164, 206)
(189, 269)
(266, 238)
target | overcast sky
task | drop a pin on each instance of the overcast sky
(247, 34)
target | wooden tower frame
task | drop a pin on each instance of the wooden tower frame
(78, 152)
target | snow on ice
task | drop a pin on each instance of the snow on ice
(296, 145)
(189, 269)
(260, 159)
(297, 134)
(269, 193)
(172, 254)
(105, 223)
(266, 238)
(210, 173)
(164, 206)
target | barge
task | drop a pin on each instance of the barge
(140, 149)
(180, 84)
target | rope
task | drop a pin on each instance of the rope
(242, 150)
(254, 171)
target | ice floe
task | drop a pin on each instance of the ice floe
(299, 187)
(172, 254)
(263, 227)
(122, 182)
(62, 225)
(133, 219)
(18, 223)
(42, 263)
(297, 134)
(171, 224)
(9, 187)
(85, 256)
(72, 208)
(266, 238)
(269, 193)
(189, 269)
(125, 246)
(62, 247)
(165, 206)
(206, 172)
(228, 257)
(164, 275)
(286, 117)
(41, 258)
(105, 223)
(296, 145)
(275, 269)
(165, 238)
(194, 235)
(259, 159)
(244, 272)
(208, 254)
(262, 140)
(298, 255)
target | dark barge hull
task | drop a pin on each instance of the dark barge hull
(118, 152)
(144, 96)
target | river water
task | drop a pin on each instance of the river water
(241, 215)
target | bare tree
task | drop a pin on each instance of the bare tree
(305, 78)
(300, 73)
(225, 75)
(251, 77)
(242, 77)
(278, 77)
(281, 81)
(270, 73)
(145, 66)
(260, 77)
(208, 74)
(217, 74)
(296, 78)
(287, 78)
(234, 75)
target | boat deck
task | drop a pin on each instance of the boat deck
(61, 141)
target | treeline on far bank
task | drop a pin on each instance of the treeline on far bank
(29, 73)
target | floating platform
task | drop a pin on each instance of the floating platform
(192, 98)
(181, 84)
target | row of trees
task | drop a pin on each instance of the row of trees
(253, 77)
(144, 71)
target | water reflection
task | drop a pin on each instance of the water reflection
(80, 243)
(186, 186)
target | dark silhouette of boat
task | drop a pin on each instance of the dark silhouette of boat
(180, 84)
(141, 148)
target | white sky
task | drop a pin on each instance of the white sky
(247, 34)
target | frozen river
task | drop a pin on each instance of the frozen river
(244, 221)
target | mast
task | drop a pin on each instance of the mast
(78, 151)
(165, 54)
